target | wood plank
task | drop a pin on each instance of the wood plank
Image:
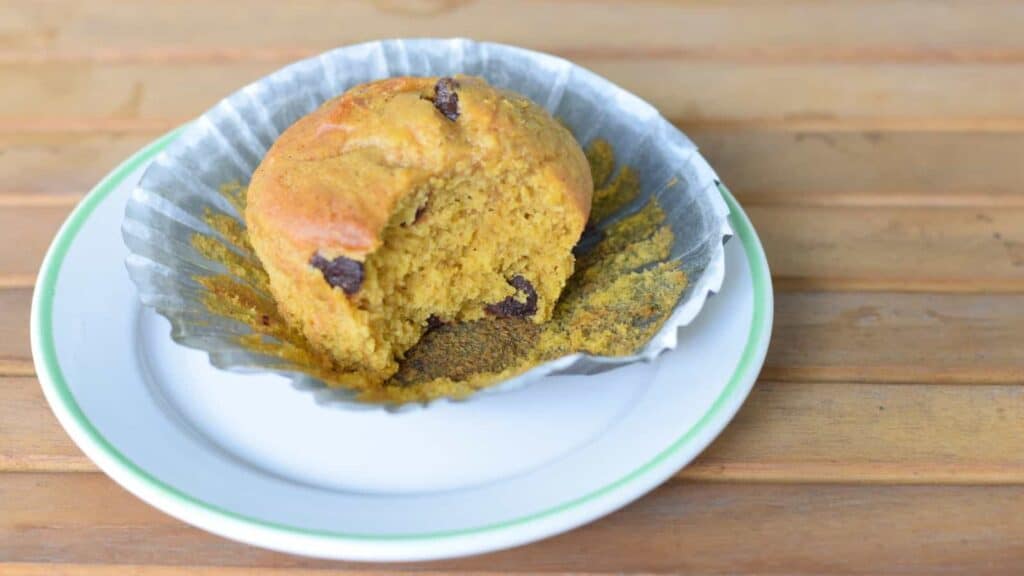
(61, 164)
(61, 96)
(867, 168)
(760, 166)
(823, 97)
(838, 432)
(15, 348)
(739, 31)
(681, 527)
(786, 432)
(809, 247)
(25, 234)
(894, 248)
(885, 337)
(30, 436)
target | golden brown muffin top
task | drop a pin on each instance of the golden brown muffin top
(333, 179)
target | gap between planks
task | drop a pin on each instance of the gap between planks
(712, 471)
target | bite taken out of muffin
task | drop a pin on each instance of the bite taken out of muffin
(407, 203)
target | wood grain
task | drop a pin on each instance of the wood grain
(985, 31)
(894, 248)
(30, 436)
(25, 234)
(907, 338)
(867, 169)
(65, 165)
(15, 348)
(760, 166)
(58, 96)
(792, 432)
(681, 527)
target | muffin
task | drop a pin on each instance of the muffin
(411, 202)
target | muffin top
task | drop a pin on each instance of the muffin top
(332, 181)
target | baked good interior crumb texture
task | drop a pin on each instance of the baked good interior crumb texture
(411, 202)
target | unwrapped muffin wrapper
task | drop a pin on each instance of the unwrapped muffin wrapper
(227, 143)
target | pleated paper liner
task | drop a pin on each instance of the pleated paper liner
(184, 230)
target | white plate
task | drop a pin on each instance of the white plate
(250, 458)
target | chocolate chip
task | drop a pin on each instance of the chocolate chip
(265, 320)
(445, 98)
(342, 272)
(512, 308)
(433, 322)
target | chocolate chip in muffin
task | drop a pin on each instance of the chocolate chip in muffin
(342, 272)
(512, 308)
(433, 322)
(446, 100)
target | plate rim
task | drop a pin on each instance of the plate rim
(325, 543)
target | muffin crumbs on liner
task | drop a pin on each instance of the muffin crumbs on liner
(621, 293)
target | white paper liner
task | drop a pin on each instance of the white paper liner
(227, 143)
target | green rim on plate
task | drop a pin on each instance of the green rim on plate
(53, 381)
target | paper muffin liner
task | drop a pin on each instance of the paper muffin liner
(226, 144)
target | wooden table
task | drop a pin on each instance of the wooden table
(878, 147)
